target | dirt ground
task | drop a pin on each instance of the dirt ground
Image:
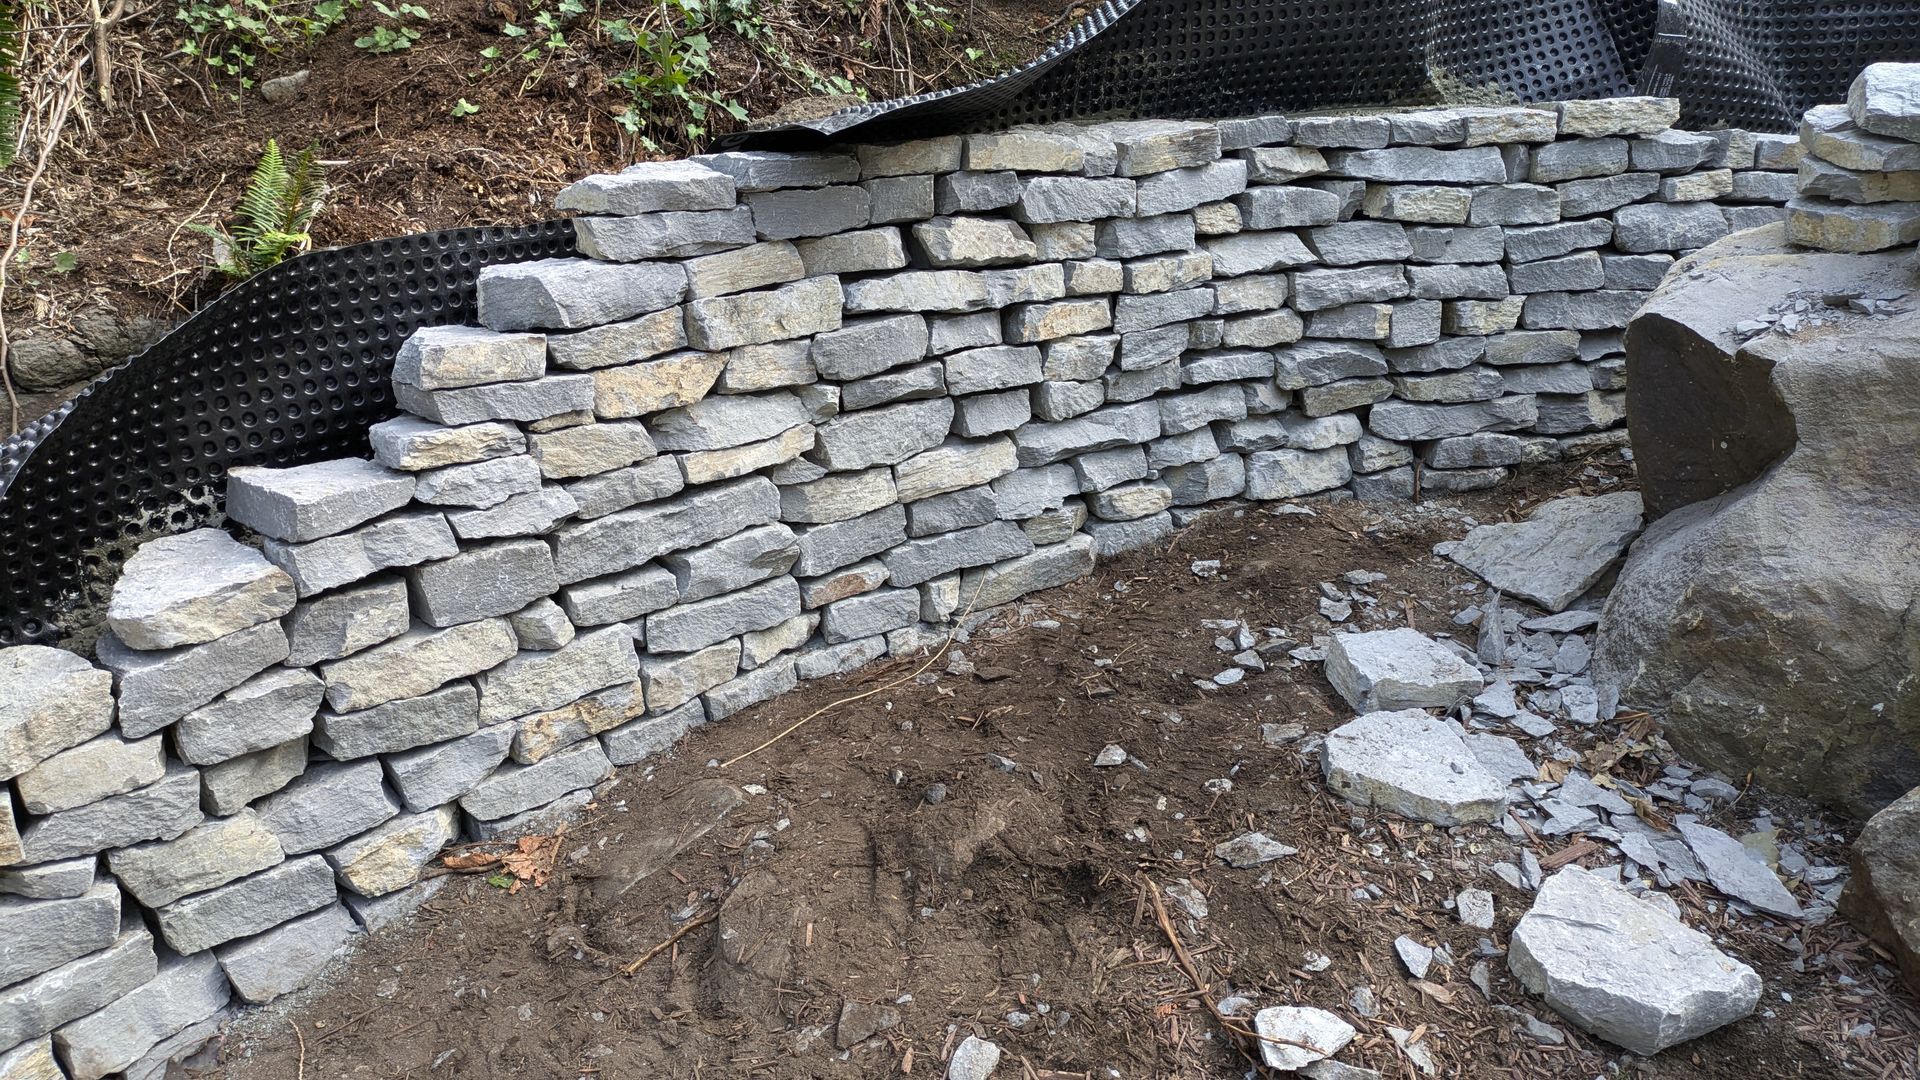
(1018, 906)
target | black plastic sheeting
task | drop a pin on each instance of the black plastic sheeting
(292, 366)
(289, 367)
(1757, 64)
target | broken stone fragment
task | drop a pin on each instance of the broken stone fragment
(1624, 969)
(1251, 849)
(1414, 765)
(1293, 1037)
(194, 587)
(1400, 668)
(1559, 552)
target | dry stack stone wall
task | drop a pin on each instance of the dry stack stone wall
(796, 413)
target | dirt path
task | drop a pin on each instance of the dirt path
(1011, 901)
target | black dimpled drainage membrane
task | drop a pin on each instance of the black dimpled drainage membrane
(289, 367)
(1756, 64)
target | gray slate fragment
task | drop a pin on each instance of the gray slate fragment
(194, 587)
(1558, 552)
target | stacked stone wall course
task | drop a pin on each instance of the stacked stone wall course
(787, 415)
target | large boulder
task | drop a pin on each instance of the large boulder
(1776, 625)
(1702, 410)
(1883, 896)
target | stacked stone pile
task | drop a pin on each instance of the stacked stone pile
(1859, 183)
(793, 413)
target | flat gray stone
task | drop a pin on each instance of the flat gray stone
(515, 789)
(648, 187)
(193, 587)
(1413, 765)
(1624, 969)
(1739, 872)
(50, 700)
(571, 294)
(40, 935)
(49, 881)
(1385, 670)
(307, 502)
(1299, 1036)
(482, 582)
(391, 856)
(806, 307)
(204, 857)
(400, 540)
(538, 399)
(693, 626)
(233, 784)
(628, 538)
(330, 802)
(248, 906)
(446, 713)
(538, 681)
(37, 1006)
(97, 769)
(287, 957)
(342, 623)
(435, 775)
(1559, 552)
(768, 170)
(266, 710)
(184, 991)
(160, 811)
(443, 357)
(415, 663)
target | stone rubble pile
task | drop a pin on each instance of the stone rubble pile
(789, 414)
(1859, 184)
(1493, 725)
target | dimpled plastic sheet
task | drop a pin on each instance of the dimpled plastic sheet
(289, 367)
(1756, 64)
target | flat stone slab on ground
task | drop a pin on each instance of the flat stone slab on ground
(1559, 552)
(1737, 871)
(1383, 670)
(1414, 765)
(1623, 969)
(1304, 1035)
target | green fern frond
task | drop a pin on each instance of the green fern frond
(9, 83)
(276, 209)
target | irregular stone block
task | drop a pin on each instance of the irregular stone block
(1826, 226)
(933, 155)
(1417, 422)
(646, 188)
(515, 789)
(1419, 164)
(418, 662)
(1117, 537)
(327, 804)
(767, 170)
(401, 540)
(1577, 159)
(1624, 969)
(973, 191)
(231, 785)
(1411, 764)
(1387, 670)
(967, 242)
(541, 734)
(444, 357)
(157, 688)
(247, 906)
(185, 991)
(789, 215)
(915, 561)
(446, 713)
(863, 347)
(589, 449)
(266, 710)
(341, 623)
(194, 587)
(1559, 552)
(43, 934)
(298, 504)
(1288, 474)
(537, 681)
(50, 700)
(571, 294)
(626, 342)
(539, 399)
(750, 689)
(723, 322)
(670, 234)
(1618, 116)
(917, 290)
(628, 538)
(391, 856)
(883, 436)
(482, 484)
(32, 1008)
(1667, 227)
(204, 857)
(432, 776)
(284, 959)
(1126, 238)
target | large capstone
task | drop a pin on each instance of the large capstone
(1774, 625)
(1624, 969)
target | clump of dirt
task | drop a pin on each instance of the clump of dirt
(939, 857)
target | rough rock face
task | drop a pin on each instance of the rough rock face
(1776, 626)
(1883, 897)
(1701, 409)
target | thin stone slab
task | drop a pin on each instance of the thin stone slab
(1294, 1037)
(418, 662)
(160, 811)
(191, 588)
(647, 188)
(1384, 670)
(330, 802)
(1738, 871)
(342, 623)
(402, 539)
(573, 294)
(266, 710)
(537, 681)
(1413, 765)
(183, 992)
(434, 775)
(1624, 969)
(444, 357)
(308, 502)
(49, 881)
(515, 789)
(1558, 553)
(247, 906)
(37, 1006)
(204, 857)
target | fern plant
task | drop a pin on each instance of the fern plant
(278, 207)
(9, 83)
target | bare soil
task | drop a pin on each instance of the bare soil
(1028, 891)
